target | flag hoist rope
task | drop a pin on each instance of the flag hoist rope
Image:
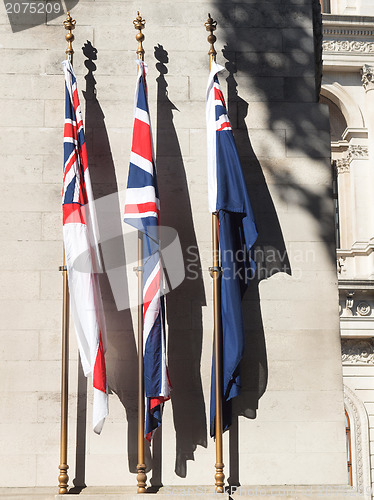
(141, 478)
(215, 272)
(63, 477)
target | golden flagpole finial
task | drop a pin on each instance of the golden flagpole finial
(211, 26)
(139, 24)
(69, 24)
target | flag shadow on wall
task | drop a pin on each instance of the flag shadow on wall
(121, 356)
(271, 258)
(184, 304)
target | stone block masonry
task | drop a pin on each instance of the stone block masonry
(295, 430)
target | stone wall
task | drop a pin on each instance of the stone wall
(289, 422)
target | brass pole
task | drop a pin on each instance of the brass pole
(63, 477)
(211, 26)
(141, 478)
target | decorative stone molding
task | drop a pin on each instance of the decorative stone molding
(363, 309)
(348, 31)
(357, 351)
(348, 40)
(360, 441)
(348, 46)
(358, 249)
(357, 153)
(342, 165)
(367, 77)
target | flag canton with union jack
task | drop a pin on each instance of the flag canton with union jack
(74, 195)
(229, 197)
(81, 240)
(222, 119)
(142, 211)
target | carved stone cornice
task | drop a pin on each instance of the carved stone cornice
(367, 77)
(358, 351)
(355, 46)
(348, 41)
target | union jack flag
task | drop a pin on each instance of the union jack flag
(142, 211)
(81, 242)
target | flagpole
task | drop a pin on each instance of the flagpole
(141, 478)
(215, 272)
(63, 477)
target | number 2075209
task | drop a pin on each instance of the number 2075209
(33, 7)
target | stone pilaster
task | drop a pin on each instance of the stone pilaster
(367, 77)
(342, 166)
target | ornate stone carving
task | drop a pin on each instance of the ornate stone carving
(358, 351)
(342, 165)
(357, 153)
(367, 77)
(354, 152)
(348, 46)
(363, 309)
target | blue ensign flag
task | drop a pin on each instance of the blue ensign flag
(229, 197)
(142, 211)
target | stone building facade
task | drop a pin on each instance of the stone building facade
(289, 426)
(348, 88)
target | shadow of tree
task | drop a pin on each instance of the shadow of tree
(277, 67)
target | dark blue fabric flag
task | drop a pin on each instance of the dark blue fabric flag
(229, 197)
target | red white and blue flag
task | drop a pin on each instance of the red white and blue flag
(229, 197)
(81, 245)
(142, 211)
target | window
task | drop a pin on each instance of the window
(349, 448)
(336, 202)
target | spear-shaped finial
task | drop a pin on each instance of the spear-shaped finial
(139, 24)
(69, 24)
(211, 26)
